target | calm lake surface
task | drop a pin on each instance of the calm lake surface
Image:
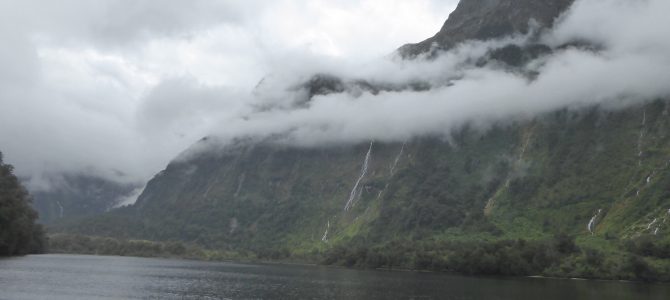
(105, 277)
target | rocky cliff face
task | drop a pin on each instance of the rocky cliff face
(488, 19)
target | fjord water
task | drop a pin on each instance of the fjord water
(105, 277)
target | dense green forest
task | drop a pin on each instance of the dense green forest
(79, 244)
(19, 234)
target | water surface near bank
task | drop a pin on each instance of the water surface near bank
(55, 276)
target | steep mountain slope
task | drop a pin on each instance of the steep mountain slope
(511, 198)
(530, 180)
(487, 19)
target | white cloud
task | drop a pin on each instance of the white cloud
(629, 68)
(117, 88)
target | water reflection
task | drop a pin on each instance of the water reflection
(97, 277)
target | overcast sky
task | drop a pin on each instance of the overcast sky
(118, 88)
(113, 87)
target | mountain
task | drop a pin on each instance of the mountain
(19, 234)
(570, 193)
(488, 19)
(72, 196)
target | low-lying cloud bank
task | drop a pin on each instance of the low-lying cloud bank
(121, 107)
(116, 89)
(624, 58)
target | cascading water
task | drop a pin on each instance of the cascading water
(356, 191)
(61, 209)
(652, 223)
(640, 138)
(488, 208)
(325, 234)
(397, 159)
(662, 223)
(592, 222)
(210, 186)
(239, 185)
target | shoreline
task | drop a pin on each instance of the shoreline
(382, 269)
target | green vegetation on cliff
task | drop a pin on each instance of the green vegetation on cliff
(473, 202)
(572, 193)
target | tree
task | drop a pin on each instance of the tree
(19, 234)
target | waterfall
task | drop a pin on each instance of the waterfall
(61, 209)
(488, 208)
(325, 234)
(239, 185)
(662, 223)
(641, 137)
(356, 191)
(210, 185)
(397, 159)
(234, 224)
(592, 222)
(652, 223)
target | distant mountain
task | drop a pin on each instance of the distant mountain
(72, 196)
(571, 193)
(19, 234)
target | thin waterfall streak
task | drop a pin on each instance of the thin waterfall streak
(239, 185)
(640, 138)
(652, 223)
(211, 185)
(325, 234)
(356, 191)
(61, 209)
(592, 222)
(397, 159)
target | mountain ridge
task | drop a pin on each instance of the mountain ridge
(488, 19)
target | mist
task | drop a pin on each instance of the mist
(116, 89)
(598, 57)
(120, 102)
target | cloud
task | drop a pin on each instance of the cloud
(631, 65)
(116, 89)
